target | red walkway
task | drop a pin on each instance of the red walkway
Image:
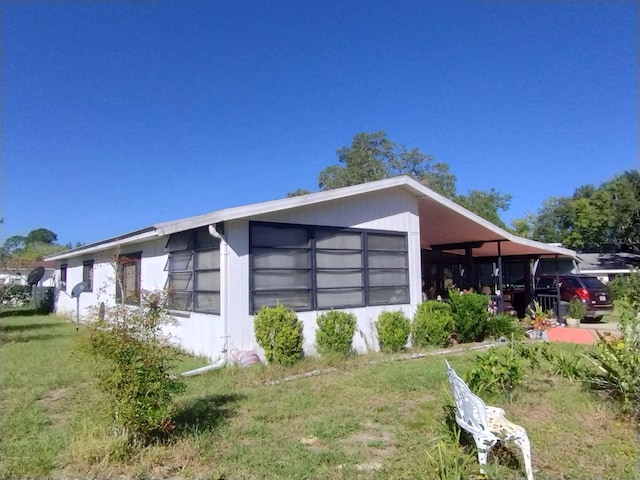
(585, 336)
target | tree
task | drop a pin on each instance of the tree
(372, 156)
(298, 192)
(37, 244)
(41, 235)
(594, 219)
(486, 204)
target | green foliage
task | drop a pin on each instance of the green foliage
(577, 309)
(470, 314)
(133, 358)
(37, 244)
(393, 330)
(335, 332)
(432, 324)
(569, 366)
(486, 204)
(596, 219)
(12, 296)
(279, 332)
(617, 363)
(500, 371)
(627, 288)
(503, 325)
(372, 156)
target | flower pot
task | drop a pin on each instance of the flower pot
(572, 322)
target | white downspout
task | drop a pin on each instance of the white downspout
(224, 284)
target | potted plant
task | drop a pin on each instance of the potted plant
(575, 312)
(540, 320)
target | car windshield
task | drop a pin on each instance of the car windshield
(591, 282)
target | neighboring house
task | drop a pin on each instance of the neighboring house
(606, 266)
(16, 273)
(362, 249)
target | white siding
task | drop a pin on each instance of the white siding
(207, 335)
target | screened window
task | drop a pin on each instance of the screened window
(128, 285)
(194, 271)
(87, 275)
(307, 268)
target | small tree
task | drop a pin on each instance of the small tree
(393, 330)
(432, 324)
(470, 314)
(335, 332)
(133, 359)
(279, 332)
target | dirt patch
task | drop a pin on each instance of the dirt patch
(376, 440)
(55, 404)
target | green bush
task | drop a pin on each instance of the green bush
(503, 325)
(576, 309)
(393, 330)
(470, 314)
(335, 332)
(279, 332)
(617, 362)
(133, 358)
(14, 296)
(432, 324)
(500, 371)
(627, 287)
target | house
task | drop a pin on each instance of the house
(606, 266)
(364, 249)
(15, 272)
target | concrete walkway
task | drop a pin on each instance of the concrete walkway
(585, 334)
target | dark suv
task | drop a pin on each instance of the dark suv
(590, 290)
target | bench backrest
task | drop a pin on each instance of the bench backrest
(471, 411)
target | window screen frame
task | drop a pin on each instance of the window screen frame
(313, 231)
(192, 243)
(87, 275)
(126, 260)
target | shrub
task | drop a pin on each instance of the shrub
(393, 330)
(432, 324)
(13, 296)
(470, 314)
(335, 332)
(627, 287)
(617, 362)
(279, 332)
(576, 309)
(503, 325)
(133, 358)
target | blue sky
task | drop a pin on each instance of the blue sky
(117, 115)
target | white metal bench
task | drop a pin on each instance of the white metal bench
(488, 425)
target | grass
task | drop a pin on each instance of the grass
(360, 420)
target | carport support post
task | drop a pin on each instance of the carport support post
(558, 297)
(500, 297)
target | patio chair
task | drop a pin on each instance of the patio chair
(486, 424)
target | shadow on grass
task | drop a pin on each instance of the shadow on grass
(23, 338)
(22, 312)
(205, 414)
(29, 326)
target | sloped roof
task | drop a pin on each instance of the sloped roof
(442, 222)
(608, 261)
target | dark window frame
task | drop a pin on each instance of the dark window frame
(313, 268)
(191, 243)
(87, 275)
(133, 259)
(63, 277)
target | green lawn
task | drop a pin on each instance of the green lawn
(361, 420)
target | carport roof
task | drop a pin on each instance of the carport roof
(444, 224)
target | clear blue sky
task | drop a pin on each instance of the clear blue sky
(120, 114)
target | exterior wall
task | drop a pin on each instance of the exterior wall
(152, 276)
(394, 211)
(208, 335)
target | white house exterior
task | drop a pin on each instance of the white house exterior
(356, 249)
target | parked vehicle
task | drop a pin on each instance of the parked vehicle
(590, 290)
